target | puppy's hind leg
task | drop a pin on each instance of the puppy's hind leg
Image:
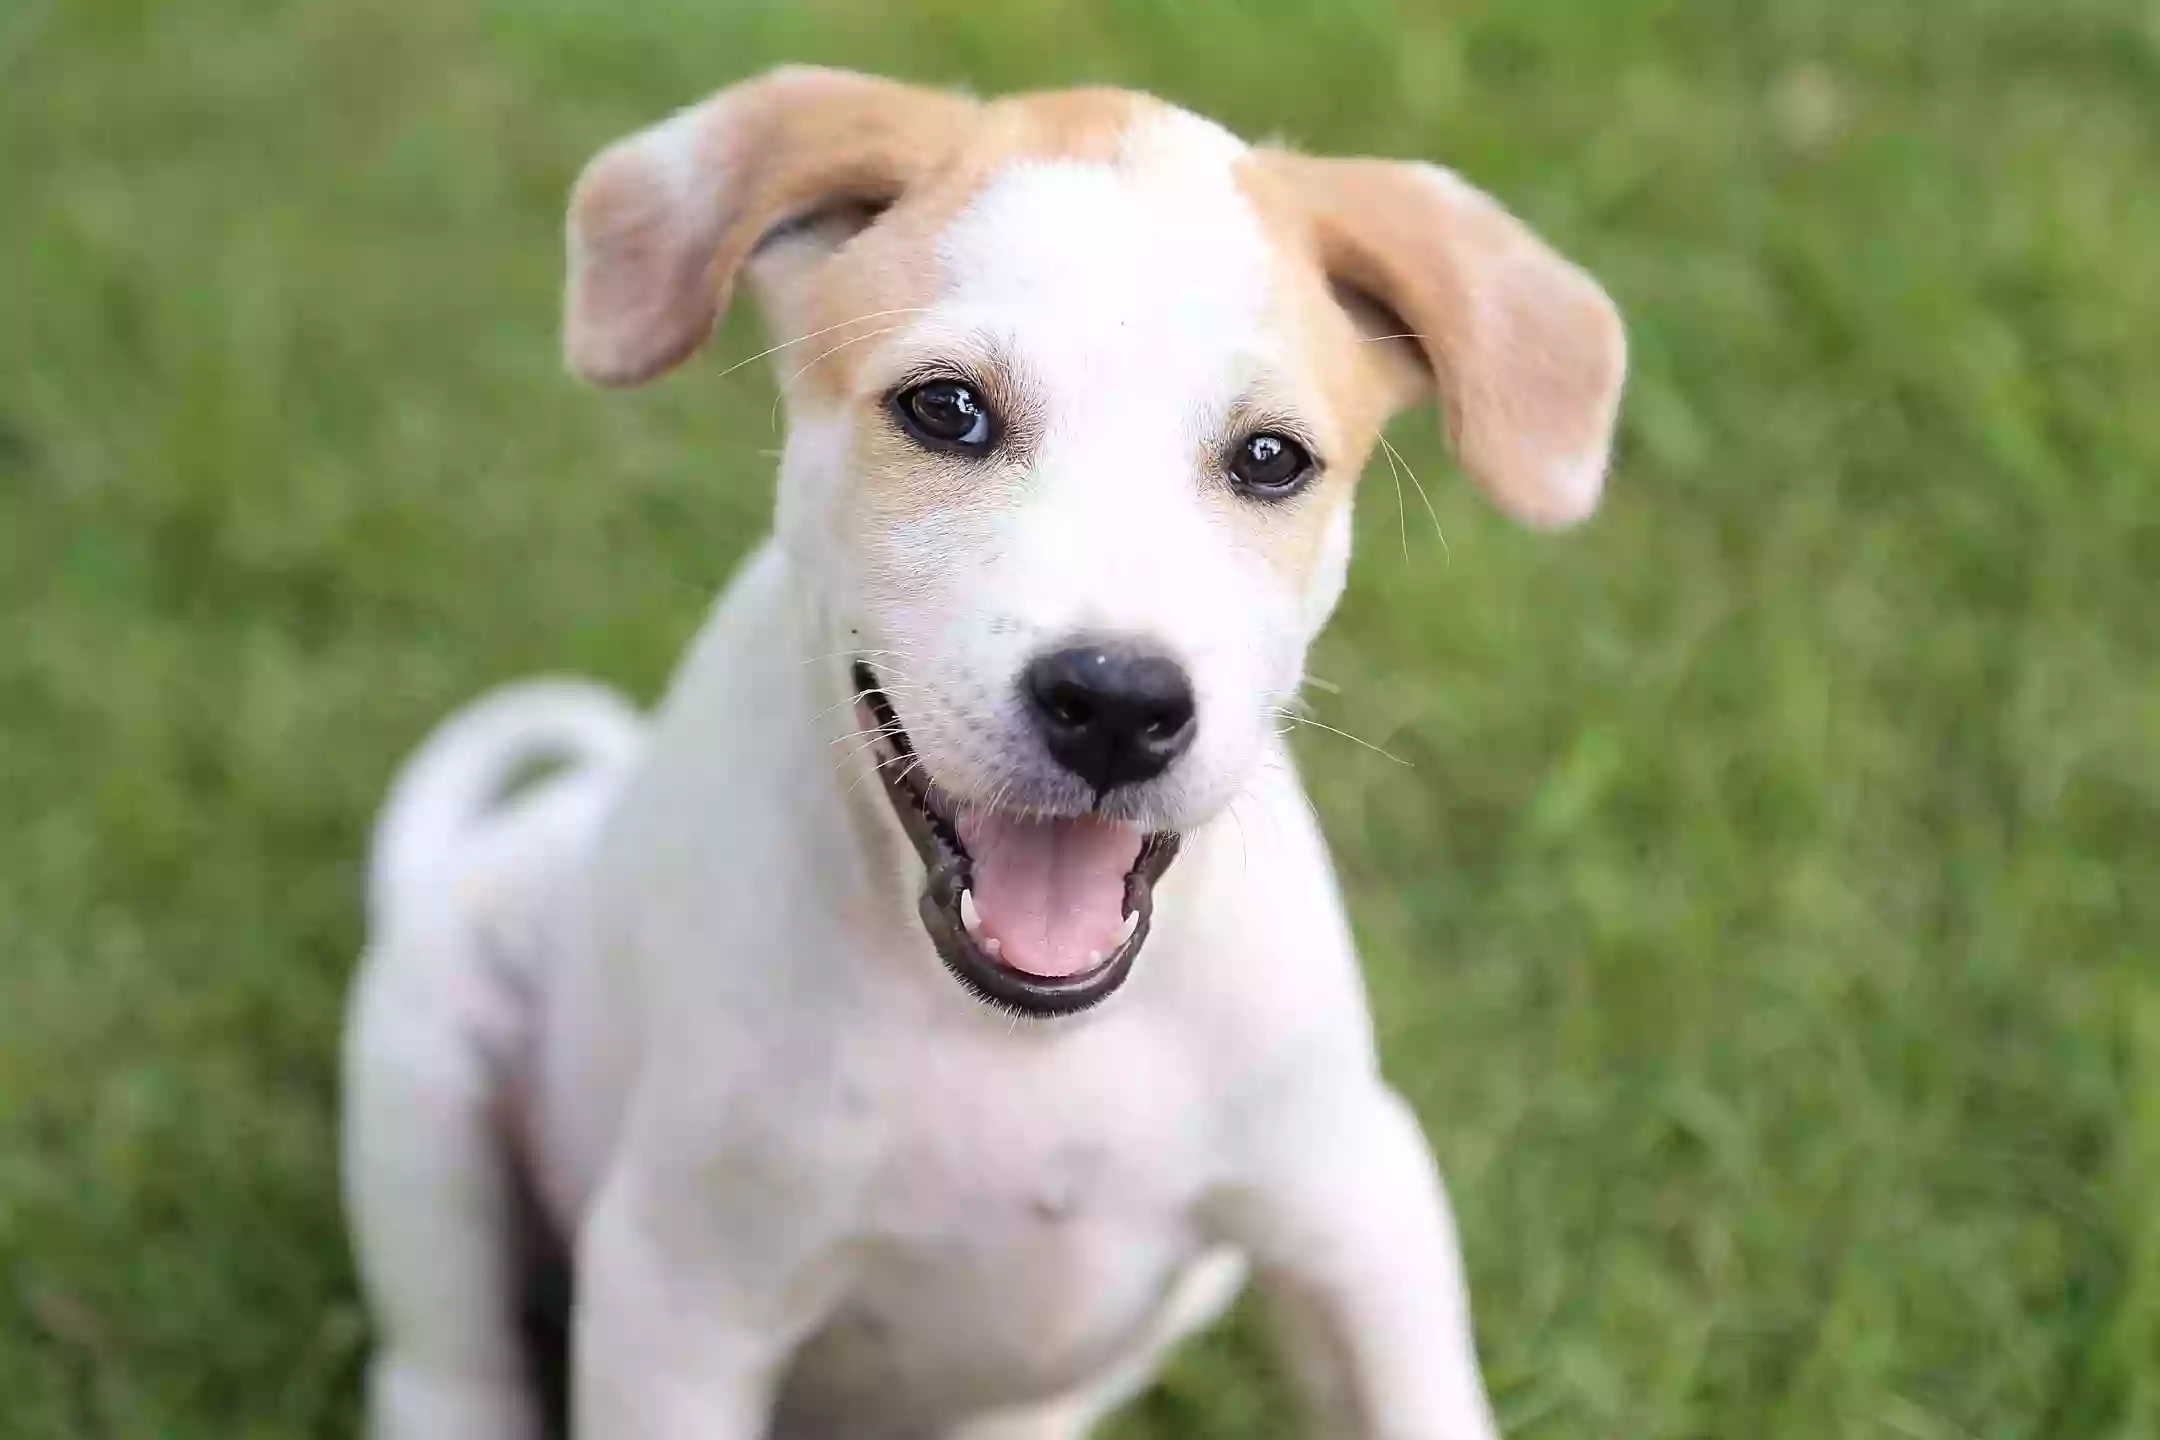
(436, 1220)
(439, 1023)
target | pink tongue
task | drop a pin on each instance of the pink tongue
(1050, 892)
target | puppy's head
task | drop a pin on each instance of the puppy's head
(1081, 386)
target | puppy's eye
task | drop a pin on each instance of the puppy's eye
(1269, 465)
(946, 415)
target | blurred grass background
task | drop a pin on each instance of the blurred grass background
(1768, 932)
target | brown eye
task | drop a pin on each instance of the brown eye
(1270, 466)
(946, 415)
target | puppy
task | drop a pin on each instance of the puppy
(943, 1003)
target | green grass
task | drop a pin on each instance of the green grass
(1768, 932)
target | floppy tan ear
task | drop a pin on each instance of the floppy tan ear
(662, 222)
(1527, 350)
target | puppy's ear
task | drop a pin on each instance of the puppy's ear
(661, 223)
(1527, 351)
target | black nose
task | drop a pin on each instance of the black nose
(1112, 714)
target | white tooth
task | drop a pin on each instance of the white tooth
(1125, 931)
(969, 915)
(993, 947)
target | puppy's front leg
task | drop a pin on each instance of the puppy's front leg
(1344, 1215)
(688, 1311)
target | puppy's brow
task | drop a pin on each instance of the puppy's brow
(814, 334)
(978, 356)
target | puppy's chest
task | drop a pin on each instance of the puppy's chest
(992, 1141)
(1026, 1216)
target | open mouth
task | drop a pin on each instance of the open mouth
(1039, 914)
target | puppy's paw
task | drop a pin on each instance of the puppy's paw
(407, 1403)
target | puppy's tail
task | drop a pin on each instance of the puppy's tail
(463, 769)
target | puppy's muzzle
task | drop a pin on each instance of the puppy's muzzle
(1039, 914)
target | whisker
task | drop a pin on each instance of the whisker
(774, 418)
(859, 734)
(1274, 821)
(855, 654)
(1353, 739)
(847, 760)
(856, 699)
(875, 768)
(1402, 511)
(1444, 548)
(1244, 846)
(865, 746)
(799, 339)
(861, 695)
(1273, 763)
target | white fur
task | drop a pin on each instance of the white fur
(1132, 302)
(814, 1188)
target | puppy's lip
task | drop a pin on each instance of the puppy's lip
(927, 815)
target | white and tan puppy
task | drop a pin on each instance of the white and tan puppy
(943, 1002)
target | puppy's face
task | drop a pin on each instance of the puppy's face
(1121, 422)
(1080, 388)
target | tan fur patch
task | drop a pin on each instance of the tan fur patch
(1528, 351)
(661, 223)
(892, 269)
(1356, 381)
